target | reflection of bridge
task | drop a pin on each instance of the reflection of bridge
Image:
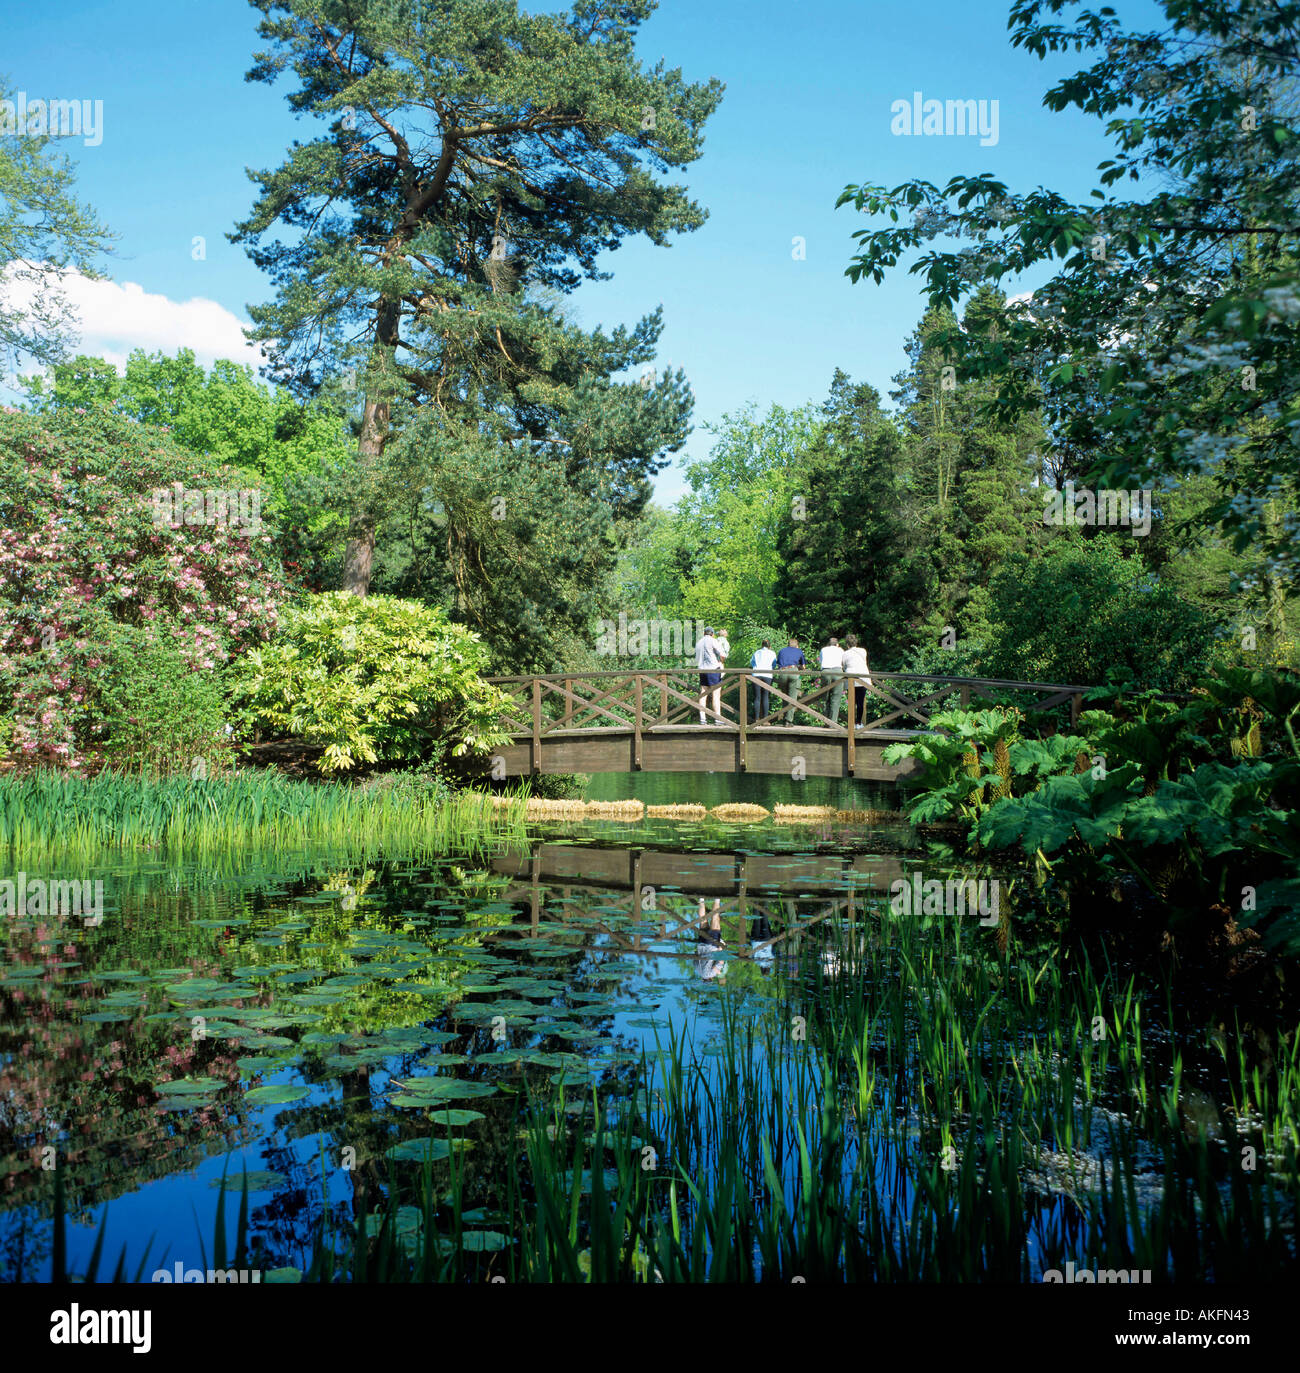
(649, 722)
(567, 877)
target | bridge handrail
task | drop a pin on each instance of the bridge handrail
(810, 671)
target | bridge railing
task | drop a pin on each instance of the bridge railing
(645, 700)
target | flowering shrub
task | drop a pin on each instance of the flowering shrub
(81, 556)
(374, 678)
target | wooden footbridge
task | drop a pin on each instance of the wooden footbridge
(649, 721)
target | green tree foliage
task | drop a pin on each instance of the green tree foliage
(970, 473)
(478, 161)
(373, 679)
(851, 559)
(1164, 345)
(739, 500)
(44, 232)
(290, 450)
(1084, 608)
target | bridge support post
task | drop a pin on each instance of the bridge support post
(636, 727)
(744, 721)
(537, 726)
(1076, 705)
(851, 726)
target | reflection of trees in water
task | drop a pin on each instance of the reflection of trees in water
(87, 1089)
(90, 1090)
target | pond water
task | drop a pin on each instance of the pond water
(313, 1021)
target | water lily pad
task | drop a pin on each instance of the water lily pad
(455, 1115)
(444, 1088)
(275, 1094)
(422, 1150)
(190, 1086)
(259, 1063)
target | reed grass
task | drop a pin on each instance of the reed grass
(738, 813)
(803, 815)
(676, 812)
(44, 813)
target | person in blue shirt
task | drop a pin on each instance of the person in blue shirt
(762, 664)
(788, 662)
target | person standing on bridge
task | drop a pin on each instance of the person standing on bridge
(855, 666)
(788, 662)
(708, 658)
(762, 663)
(832, 666)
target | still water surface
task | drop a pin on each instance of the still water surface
(297, 1016)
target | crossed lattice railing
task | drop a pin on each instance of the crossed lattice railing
(646, 700)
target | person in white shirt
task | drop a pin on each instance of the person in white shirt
(762, 663)
(708, 659)
(855, 666)
(832, 666)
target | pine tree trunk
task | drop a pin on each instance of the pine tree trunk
(359, 554)
(358, 557)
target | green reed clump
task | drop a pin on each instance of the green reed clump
(45, 812)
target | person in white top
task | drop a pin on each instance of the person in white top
(832, 666)
(855, 666)
(708, 658)
(762, 663)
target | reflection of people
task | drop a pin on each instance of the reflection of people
(761, 937)
(708, 939)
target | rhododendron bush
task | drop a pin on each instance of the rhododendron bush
(88, 574)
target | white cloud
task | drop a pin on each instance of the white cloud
(116, 317)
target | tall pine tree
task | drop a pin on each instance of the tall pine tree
(477, 162)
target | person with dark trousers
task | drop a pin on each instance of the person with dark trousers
(856, 671)
(788, 662)
(761, 664)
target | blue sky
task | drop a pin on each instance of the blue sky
(806, 111)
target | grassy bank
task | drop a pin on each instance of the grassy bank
(47, 814)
